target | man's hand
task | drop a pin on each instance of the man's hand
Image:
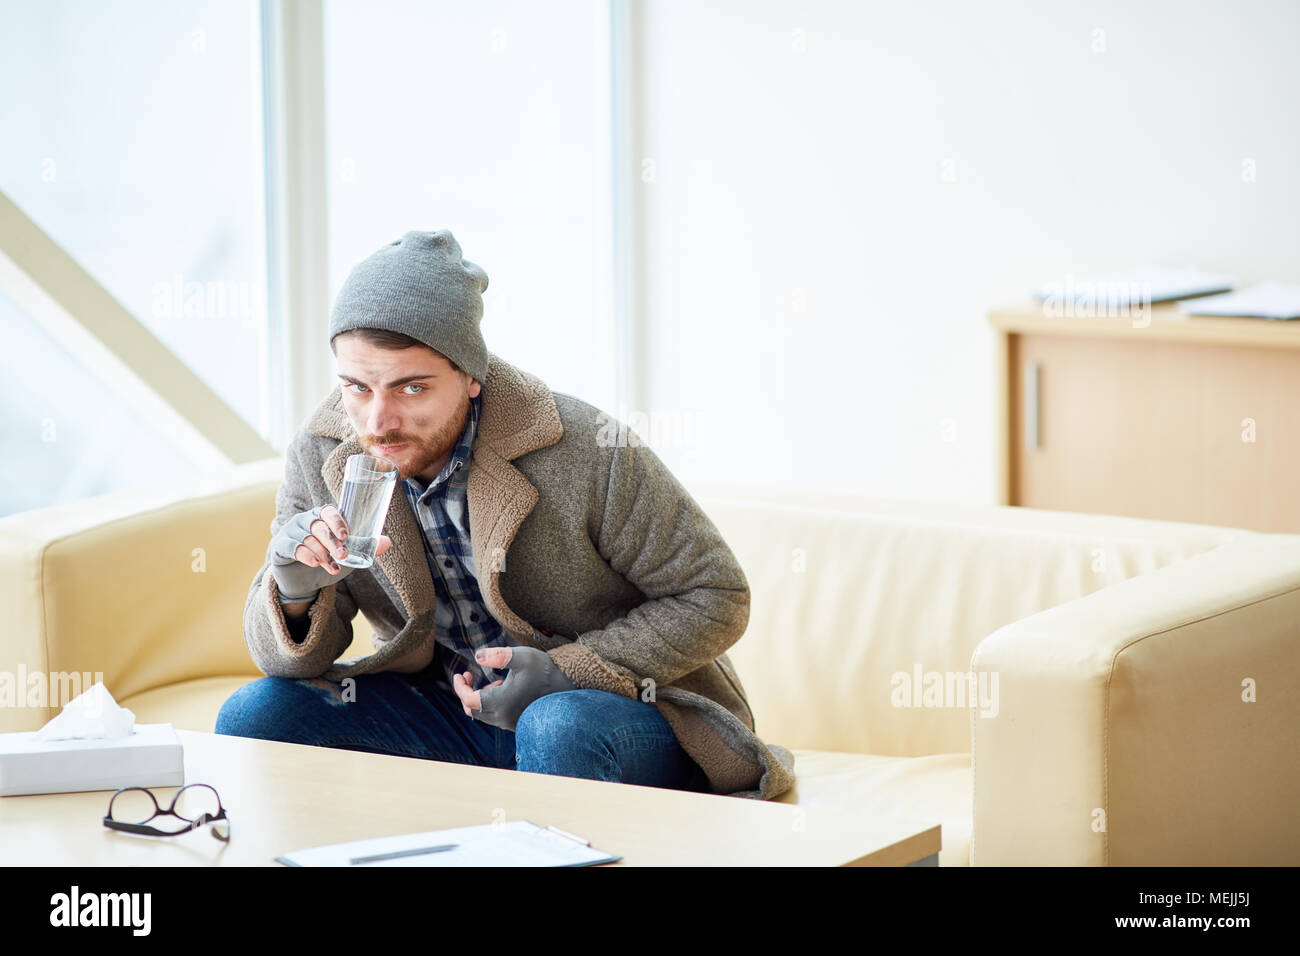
(532, 675)
(305, 551)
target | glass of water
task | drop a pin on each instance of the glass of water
(368, 484)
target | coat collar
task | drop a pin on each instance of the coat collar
(518, 415)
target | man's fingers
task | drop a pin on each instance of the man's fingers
(312, 552)
(331, 515)
(321, 530)
(472, 698)
(494, 656)
(463, 685)
(385, 542)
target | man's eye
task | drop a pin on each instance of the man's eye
(358, 386)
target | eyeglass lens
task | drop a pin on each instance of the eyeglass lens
(194, 800)
(133, 806)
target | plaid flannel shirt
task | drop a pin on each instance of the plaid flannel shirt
(462, 622)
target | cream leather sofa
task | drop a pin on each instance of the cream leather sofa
(1111, 657)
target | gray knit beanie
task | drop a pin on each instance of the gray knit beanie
(419, 285)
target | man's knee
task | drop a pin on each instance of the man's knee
(555, 716)
(584, 718)
(598, 735)
(261, 708)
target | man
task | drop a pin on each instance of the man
(545, 596)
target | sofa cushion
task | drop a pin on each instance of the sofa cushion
(847, 597)
(933, 789)
(187, 705)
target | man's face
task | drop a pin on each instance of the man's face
(414, 398)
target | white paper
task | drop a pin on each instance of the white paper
(516, 843)
(92, 715)
(1268, 300)
(1151, 283)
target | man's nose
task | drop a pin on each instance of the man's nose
(384, 419)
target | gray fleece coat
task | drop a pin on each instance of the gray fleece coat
(585, 546)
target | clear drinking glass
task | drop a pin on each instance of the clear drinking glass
(368, 484)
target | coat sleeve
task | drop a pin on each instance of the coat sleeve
(266, 632)
(653, 533)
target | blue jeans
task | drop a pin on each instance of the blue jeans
(593, 734)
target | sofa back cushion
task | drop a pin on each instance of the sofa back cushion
(146, 587)
(865, 612)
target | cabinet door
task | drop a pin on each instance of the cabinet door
(1156, 429)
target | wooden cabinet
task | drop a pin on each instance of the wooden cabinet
(1183, 418)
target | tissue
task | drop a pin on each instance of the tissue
(93, 714)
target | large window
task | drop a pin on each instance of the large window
(133, 138)
(135, 141)
(488, 119)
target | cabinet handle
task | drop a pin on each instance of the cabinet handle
(1031, 405)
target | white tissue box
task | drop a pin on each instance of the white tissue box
(149, 757)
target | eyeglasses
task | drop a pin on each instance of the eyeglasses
(197, 804)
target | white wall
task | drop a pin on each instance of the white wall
(816, 287)
(488, 119)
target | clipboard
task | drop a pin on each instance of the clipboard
(516, 843)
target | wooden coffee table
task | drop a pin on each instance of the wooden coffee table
(283, 797)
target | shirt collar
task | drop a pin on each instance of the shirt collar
(460, 455)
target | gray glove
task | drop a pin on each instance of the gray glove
(533, 674)
(299, 582)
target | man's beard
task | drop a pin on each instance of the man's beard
(420, 455)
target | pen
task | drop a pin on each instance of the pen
(571, 836)
(397, 853)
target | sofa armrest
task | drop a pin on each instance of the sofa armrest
(1153, 722)
(140, 588)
